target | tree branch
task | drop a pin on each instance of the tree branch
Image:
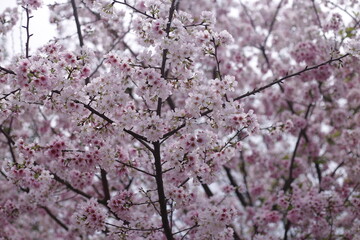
(316, 13)
(28, 35)
(105, 185)
(234, 184)
(245, 175)
(143, 140)
(290, 179)
(249, 16)
(10, 142)
(136, 168)
(47, 210)
(138, 137)
(10, 93)
(87, 106)
(161, 192)
(344, 10)
(7, 136)
(7, 71)
(272, 23)
(306, 69)
(172, 132)
(77, 22)
(69, 186)
(135, 9)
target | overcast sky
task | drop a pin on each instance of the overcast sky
(39, 26)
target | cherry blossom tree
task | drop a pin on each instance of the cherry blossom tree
(181, 119)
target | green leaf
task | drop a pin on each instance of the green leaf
(37, 175)
(349, 32)
(320, 160)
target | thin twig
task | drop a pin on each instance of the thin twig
(138, 137)
(143, 140)
(10, 93)
(7, 71)
(136, 168)
(276, 81)
(135, 9)
(272, 23)
(186, 229)
(249, 16)
(316, 13)
(172, 132)
(87, 106)
(28, 35)
(69, 186)
(344, 10)
(135, 229)
(47, 210)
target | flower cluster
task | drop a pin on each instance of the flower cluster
(181, 196)
(32, 4)
(8, 19)
(90, 217)
(121, 204)
(305, 51)
(353, 47)
(212, 221)
(334, 23)
(169, 121)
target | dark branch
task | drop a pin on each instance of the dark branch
(105, 185)
(136, 168)
(10, 93)
(87, 106)
(28, 35)
(10, 142)
(248, 15)
(276, 81)
(69, 186)
(206, 188)
(55, 218)
(338, 166)
(272, 23)
(245, 175)
(287, 228)
(8, 137)
(78, 26)
(7, 71)
(172, 132)
(319, 175)
(316, 13)
(135, 9)
(345, 11)
(140, 138)
(217, 59)
(161, 192)
(290, 179)
(234, 184)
